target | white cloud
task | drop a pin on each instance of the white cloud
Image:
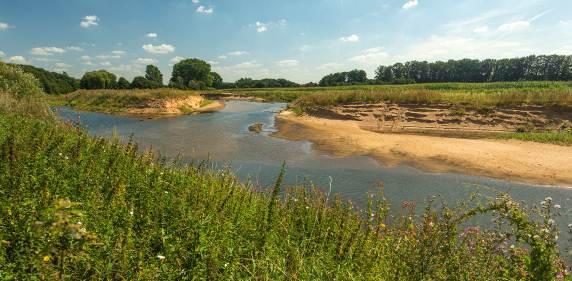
(118, 53)
(350, 39)
(159, 49)
(222, 57)
(105, 63)
(203, 10)
(373, 56)
(212, 62)
(4, 26)
(196, 1)
(47, 51)
(106, 57)
(18, 60)
(74, 48)
(261, 27)
(455, 47)
(248, 65)
(89, 21)
(177, 59)
(481, 29)
(237, 53)
(145, 61)
(151, 35)
(331, 66)
(85, 58)
(410, 4)
(62, 65)
(265, 26)
(514, 26)
(2, 54)
(288, 63)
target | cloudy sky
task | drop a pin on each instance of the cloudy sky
(300, 40)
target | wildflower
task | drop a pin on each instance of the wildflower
(161, 257)
(512, 247)
(551, 222)
(46, 258)
(131, 212)
(535, 237)
(66, 158)
(60, 154)
(166, 192)
(79, 223)
(557, 206)
(548, 200)
(431, 224)
(226, 264)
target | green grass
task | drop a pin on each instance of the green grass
(560, 138)
(115, 100)
(75, 207)
(472, 94)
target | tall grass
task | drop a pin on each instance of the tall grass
(474, 94)
(116, 100)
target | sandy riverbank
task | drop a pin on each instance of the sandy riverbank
(504, 159)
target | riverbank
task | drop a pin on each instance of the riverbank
(504, 159)
(152, 102)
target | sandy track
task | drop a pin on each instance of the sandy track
(504, 159)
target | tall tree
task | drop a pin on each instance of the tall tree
(99, 79)
(122, 83)
(152, 73)
(189, 70)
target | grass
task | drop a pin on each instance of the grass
(473, 94)
(115, 100)
(75, 207)
(559, 138)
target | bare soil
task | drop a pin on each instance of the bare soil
(353, 130)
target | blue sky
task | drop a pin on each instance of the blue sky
(300, 40)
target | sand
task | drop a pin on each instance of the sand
(513, 160)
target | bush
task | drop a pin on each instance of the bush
(52, 82)
(20, 92)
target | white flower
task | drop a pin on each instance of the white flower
(60, 154)
(161, 257)
(131, 212)
(512, 246)
(79, 223)
(551, 222)
(66, 158)
(548, 199)
(557, 206)
(166, 192)
(225, 264)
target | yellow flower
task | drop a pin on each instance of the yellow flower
(46, 258)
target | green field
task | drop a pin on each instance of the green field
(471, 94)
(75, 207)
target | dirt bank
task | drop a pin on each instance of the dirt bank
(444, 119)
(175, 106)
(503, 159)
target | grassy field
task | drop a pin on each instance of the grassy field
(115, 100)
(470, 94)
(75, 207)
(559, 138)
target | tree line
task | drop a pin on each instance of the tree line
(193, 74)
(52, 82)
(530, 68)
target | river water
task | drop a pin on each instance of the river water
(224, 138)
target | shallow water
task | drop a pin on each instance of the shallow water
(223, 137)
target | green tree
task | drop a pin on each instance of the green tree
(122, 83)
(99, 79)
(189, 70)
(141, 82)
(152, 73)
(216, 80)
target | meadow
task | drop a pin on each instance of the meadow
(76, 207)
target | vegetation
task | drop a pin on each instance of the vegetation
(99, 79)
(191, 73)
(74, 207)
(561, 138)
(116, 100)
(153, 74)
(123, 84)
(355, 76)
(531, 68)
(52, 82)
(262, 83)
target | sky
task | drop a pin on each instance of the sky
(300, 40)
